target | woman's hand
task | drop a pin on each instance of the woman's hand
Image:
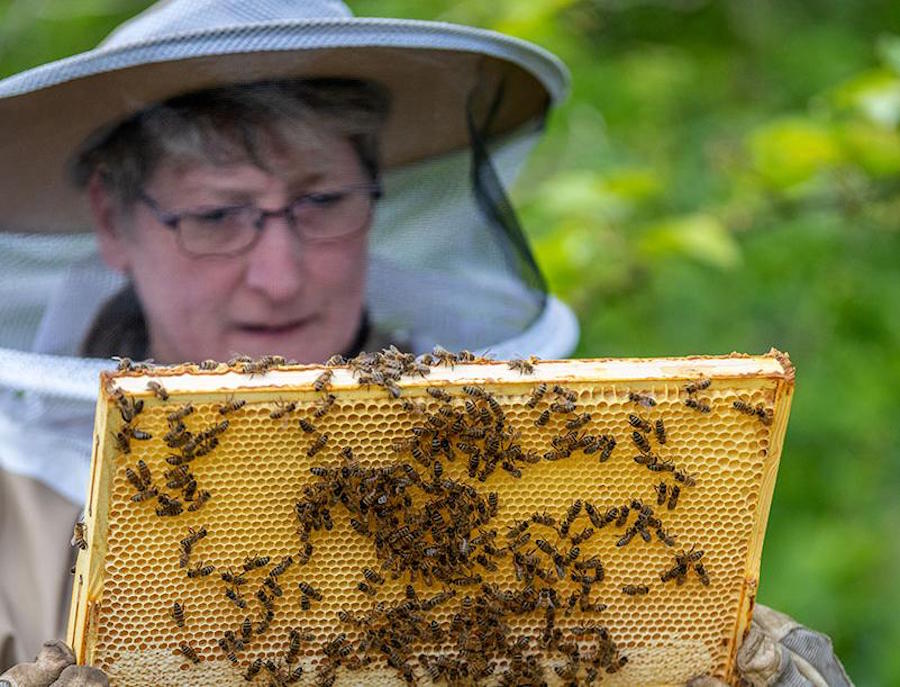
(53, 667)
(780, 652)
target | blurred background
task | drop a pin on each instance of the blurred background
(725, 176)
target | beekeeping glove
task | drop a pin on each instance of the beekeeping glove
(53, 667)
(779, 652)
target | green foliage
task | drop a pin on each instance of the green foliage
(725, 176)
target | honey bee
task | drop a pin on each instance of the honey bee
(641, 442)
(699, 385)
(304, 554)
(231, 405)
(660, 490)
(542, 419)
(661, 466)
(318, 444)
(201, 571)
(635, 589)
(563, 407)
(188, 652)
(193, 537)
(684, 478)
(273, 585)
(323, 380)
(673, 497)
(596, 519)
(701, 573)
(122, 442)
(168, 507)
(578, 421)
(323, 405)
(607, 450)
(623, 515)
(664, 537)
(177, 415)
(699, 406)
(140, 435)
(567, 394)
(537, 393)
(281, 409)
(525, 367)
(439, 394)
(444, 357)
(471, 390)
(627, 537)
(145, 494)
(641, 399)
(511, 468)
(394, 390)
(546, 547)
(263, 624)
(310, 591)
(177, 614)
(135, 480)
(257, 367)
(177, 435)
(282, 566)
(208, 364)
(158, 390)
(235, 598)
(765, 415)
(231, 578)
(227, 650)
(582, 536)
(178, 477)
(758, 411)
(253, 669)
(202, 497)
(639, 423)
(293, 646)
(190, 489)
(254, 562)
(660, 431)
(78, 536)
(204, 447)
(264, 599)
(306, 426)
(372, 576)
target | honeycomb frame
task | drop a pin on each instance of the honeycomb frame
(128, 576)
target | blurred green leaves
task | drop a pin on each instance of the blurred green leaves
(792, 151)
(700, 237)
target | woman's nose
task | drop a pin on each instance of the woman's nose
(275, 263)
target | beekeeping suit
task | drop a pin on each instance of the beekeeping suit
(448, 262)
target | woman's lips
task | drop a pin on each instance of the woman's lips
(266, 330)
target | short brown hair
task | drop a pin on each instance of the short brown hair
(230, 124)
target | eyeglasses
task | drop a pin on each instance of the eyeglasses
(231, 230)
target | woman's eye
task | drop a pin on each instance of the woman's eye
(324, 198)
(215, 216)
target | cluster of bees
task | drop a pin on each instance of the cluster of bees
(427, 526)
(185, 447)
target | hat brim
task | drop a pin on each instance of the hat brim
(431, 69)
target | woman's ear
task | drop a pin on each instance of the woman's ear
(108, 224)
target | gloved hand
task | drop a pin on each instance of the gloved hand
(780, 652)
(53, 667)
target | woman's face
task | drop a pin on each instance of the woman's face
(284, 296)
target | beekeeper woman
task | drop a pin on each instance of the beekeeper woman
(221, 176)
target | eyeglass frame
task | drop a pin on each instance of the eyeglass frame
(172, 220)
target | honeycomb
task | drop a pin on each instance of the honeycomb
(130, 574)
